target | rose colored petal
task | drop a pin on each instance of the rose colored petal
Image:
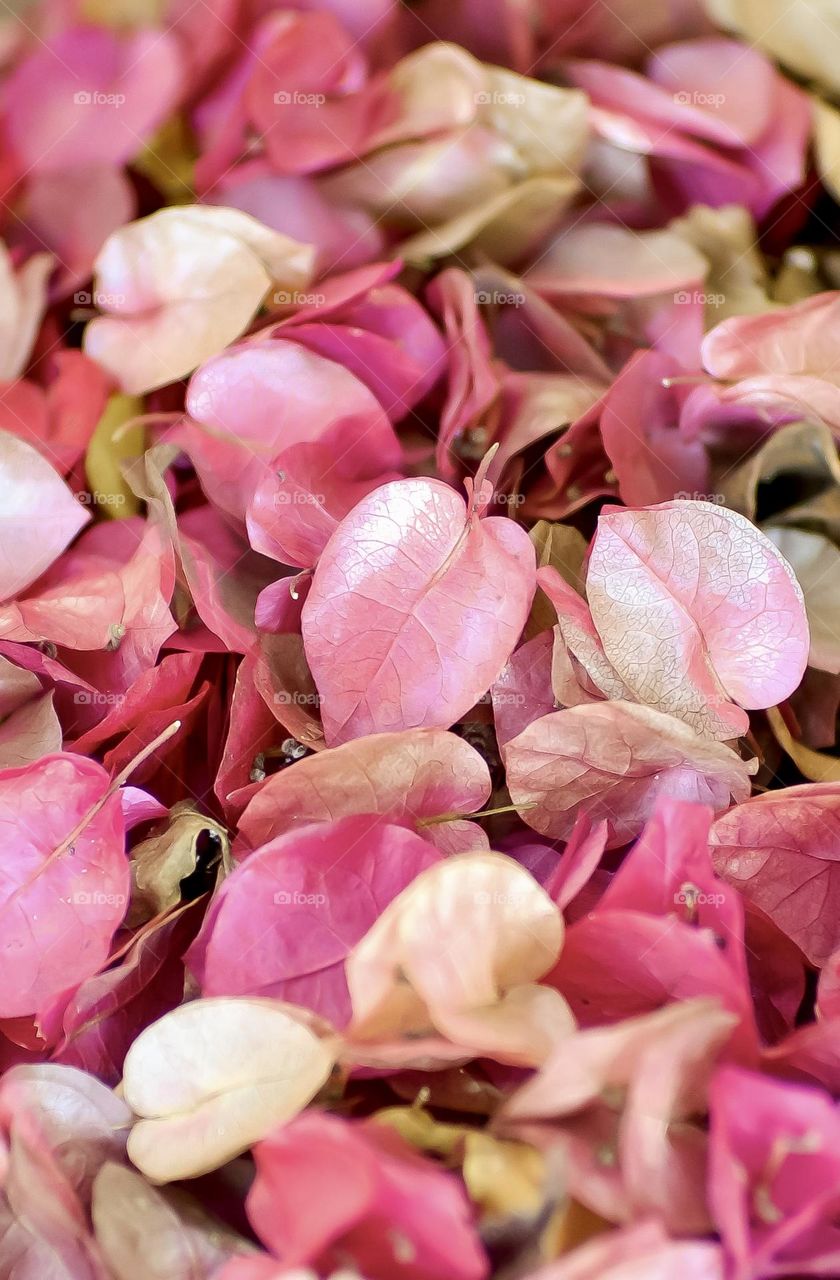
(652, 458)
(111, 594)
(95, 1028)
(59, 417)
(694, 607)
(298, 505)
(65, 884)
(606, 259)
(612, 760)
(328, 1190)
(641, 1252)
(89, 97)
(780, 851)
(30, 732)
(29, 484)
(733, 82)
(262, 397)
(473, 381)
(799, 339)
(580, 638)
(305, 898)
(523, 690)
(590, 1062)
(415, 607)
(405, 777)
(773, 1168)
(621, 964)
(72, 213)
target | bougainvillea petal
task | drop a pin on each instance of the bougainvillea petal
(612, 760)
(425, 1205)
(30, 484)
(180, 285)
(211, 1078)
(99, 105)
(780, 851)
(262, 397)
(522, 927)
(65, 885)
(308, 897)
(407, 778)
(132, 1220)
(298, 505)
(441, 635)
(696, 607)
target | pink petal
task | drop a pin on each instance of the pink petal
(404, 777)
(414, 609)
(28, 484)
(611, 760)
(695, 606)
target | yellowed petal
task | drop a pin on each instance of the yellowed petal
(123, 13)
(168, 856)
(168, 161)
(181, 284)
(507, 1179)
(463, 933)
(813, 765)
(112, 444)
(563, 547)
(212, 1077)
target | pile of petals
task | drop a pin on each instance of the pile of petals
(419, 640)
